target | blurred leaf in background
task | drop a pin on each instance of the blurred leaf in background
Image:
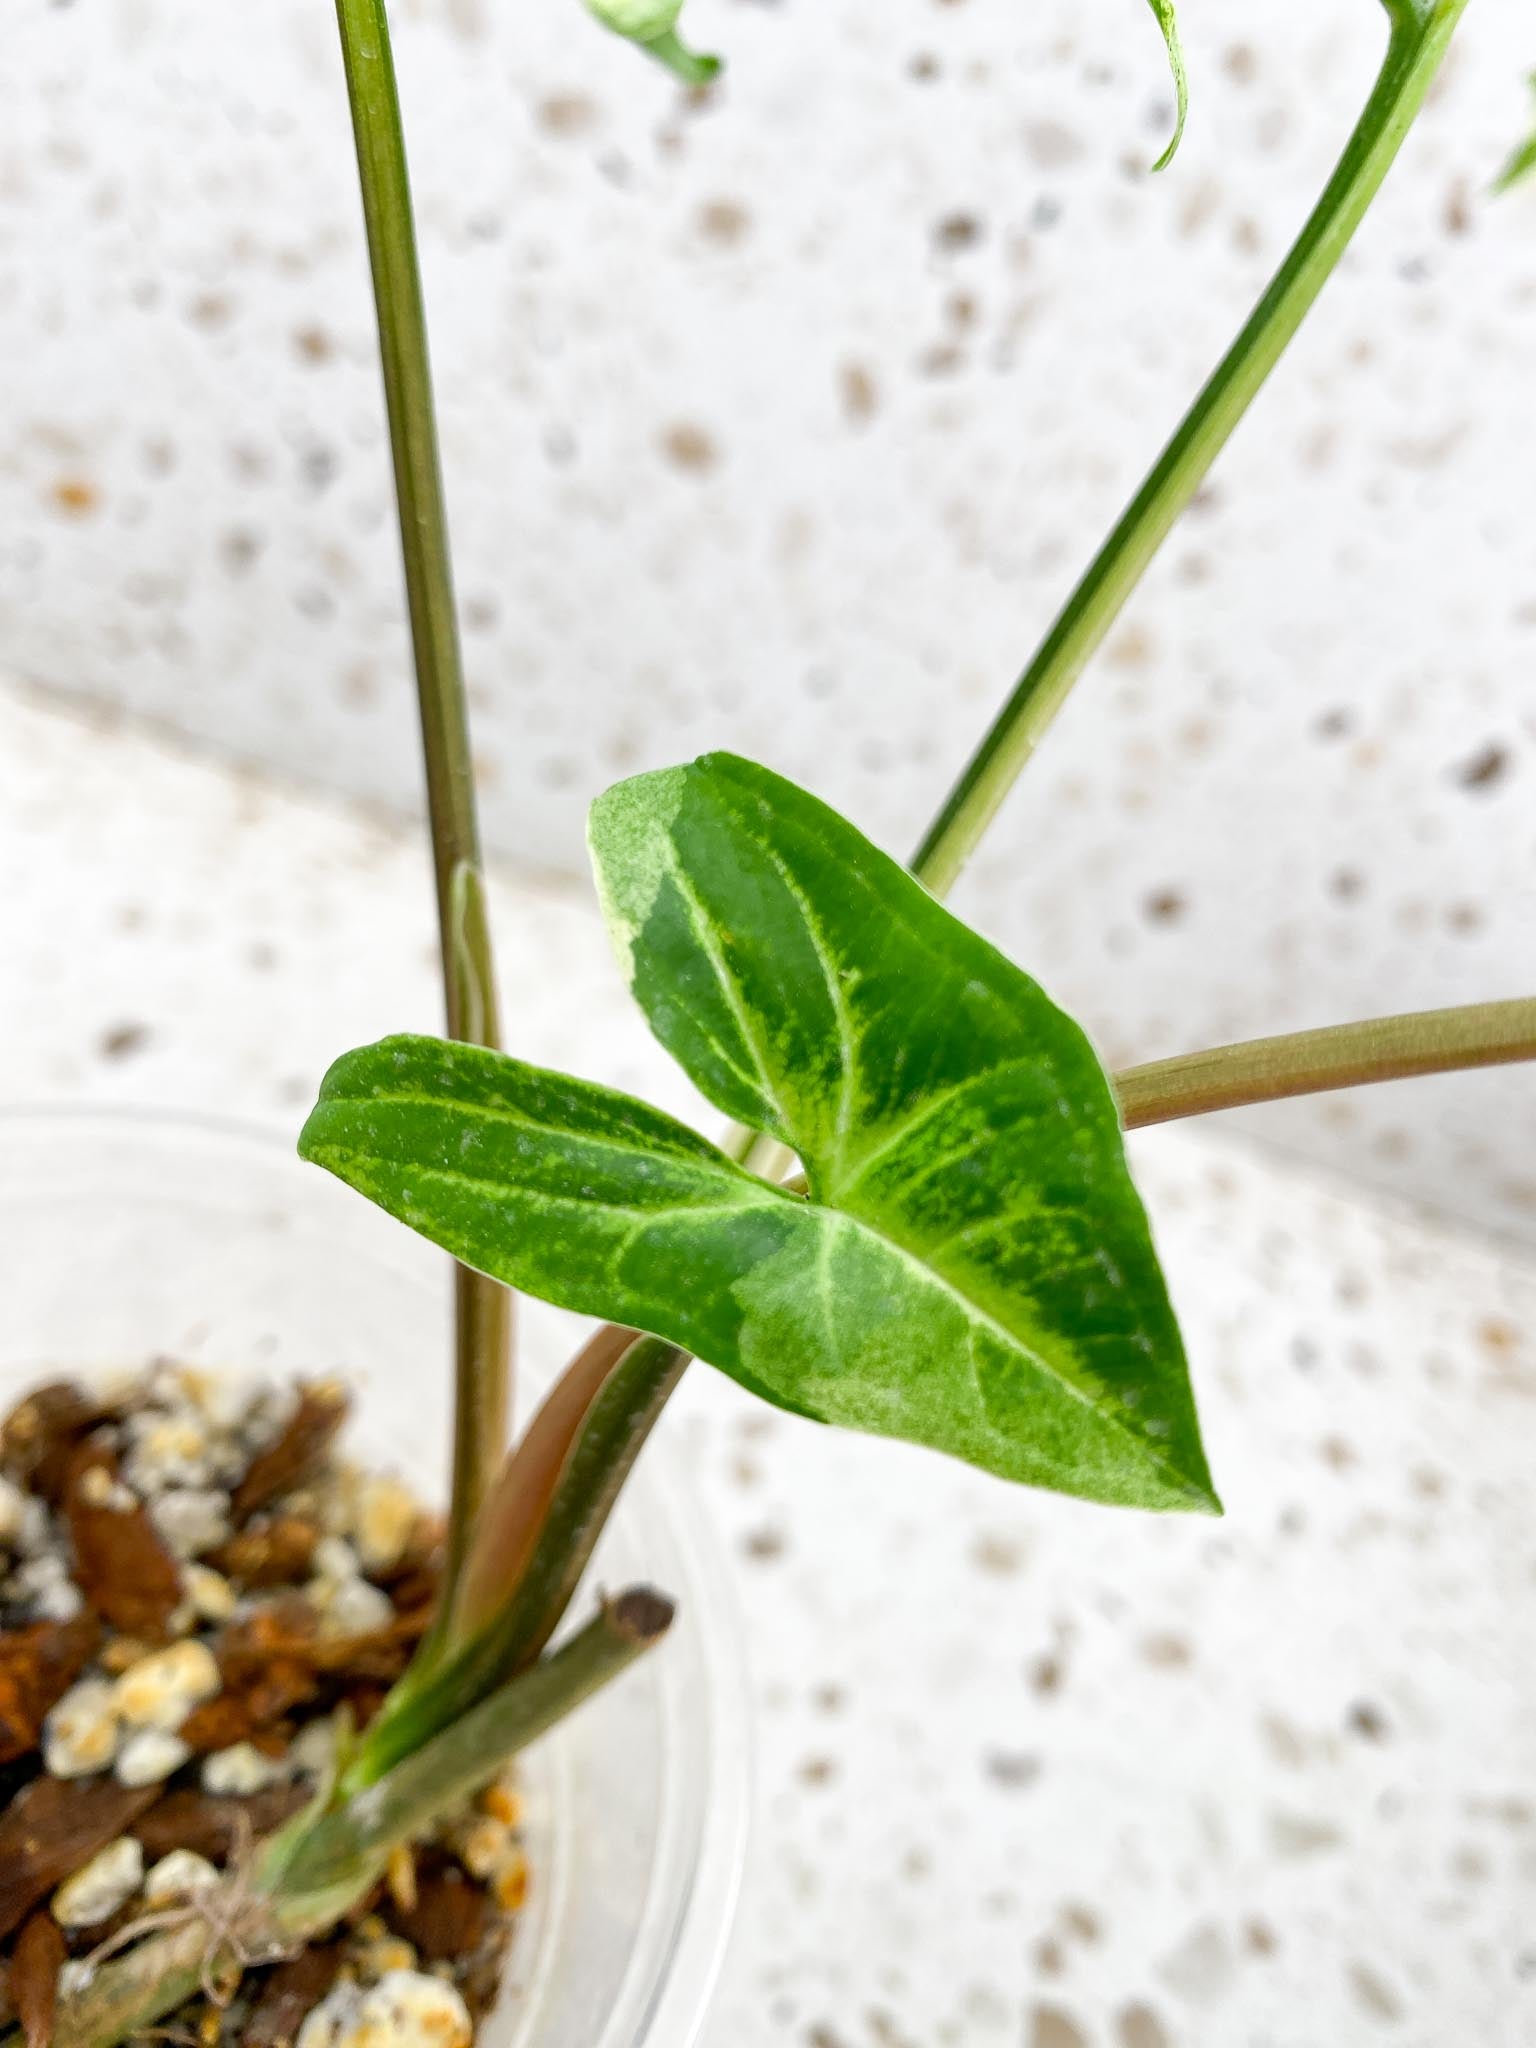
(653, 25)
(1523, 160)
(1168, 22)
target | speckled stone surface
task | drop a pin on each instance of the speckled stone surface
(783, 421)
(1028, 1772)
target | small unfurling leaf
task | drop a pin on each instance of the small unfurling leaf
(1168, 22)
(653, 25)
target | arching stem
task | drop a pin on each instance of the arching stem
(1338, 1056)
(1420, 34)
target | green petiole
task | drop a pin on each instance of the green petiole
(1420, 35)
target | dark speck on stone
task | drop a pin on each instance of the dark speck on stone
(998, 1554)
(123, 1041)
(1013, 1768)
(957, 231)
(1053, 2028)
(689, 448)
(1488, 766)
(1165, 906)
(1140, 2027)
(1167, 1652)
(1045, 1676)
(1368, 1721)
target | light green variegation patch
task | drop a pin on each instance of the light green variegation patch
(639, 854)
(972, 1269)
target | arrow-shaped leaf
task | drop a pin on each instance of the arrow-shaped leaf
(972, 1270)
(813, 990)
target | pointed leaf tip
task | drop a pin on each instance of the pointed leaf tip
(1167, 21)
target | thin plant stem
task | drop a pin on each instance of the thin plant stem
(1339, 1056)
(128, 1997)
(1420, 33)
(455, 1763)
(482, 1308)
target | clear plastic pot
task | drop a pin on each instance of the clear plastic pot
(127, 1235)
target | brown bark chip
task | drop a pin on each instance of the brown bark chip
(266, 1663)
(40, 1952)
(273, 1551)
(39, 1436)
(213, 1826)
(305, 1439)
(221, 1723)
(448, 1919)
(52, 1827)
(258, 1716)
(38, 1665)
(282, 1637)
(289, 1993)
(121, 1566)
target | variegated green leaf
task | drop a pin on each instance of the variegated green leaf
(972, 1268)
(594, 1201)
(814, 991)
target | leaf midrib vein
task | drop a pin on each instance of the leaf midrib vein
(698, 917)
(754, 1191)
(901, 1133)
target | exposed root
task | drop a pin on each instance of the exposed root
(241, 1931)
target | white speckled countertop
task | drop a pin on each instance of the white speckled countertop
(1029, 1773)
